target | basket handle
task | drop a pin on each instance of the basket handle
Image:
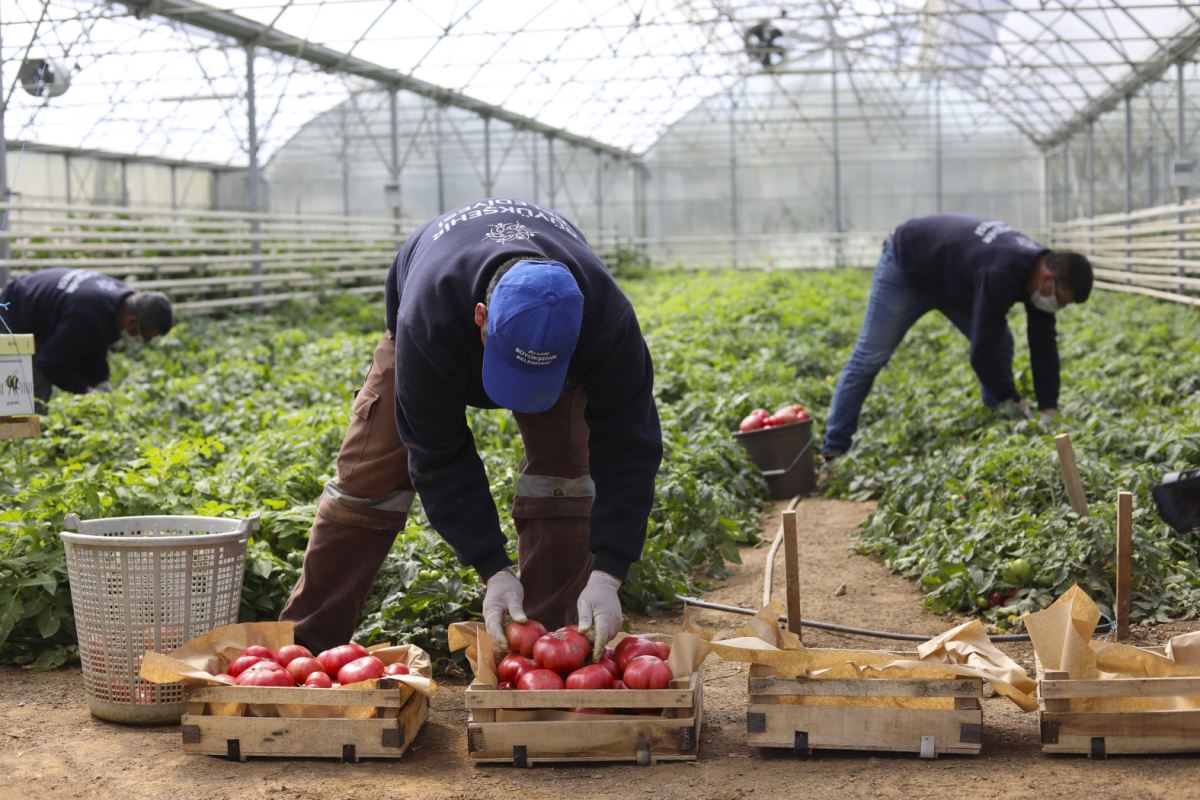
(807, 446)
(248, 526)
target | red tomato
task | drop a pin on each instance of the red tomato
(318, 680)
(625, 644)
(784, 416)
(619, 684)
(290, 652)
(592, 710)
(506, 685)
(609, 663)
(664, 650)
(243, 663)
(512, 665)
(647, 672)
(642, 647)
(396, 669)
(265, 673)
(225, 677)
(760, 412)
(335, 658)
(361, 669)
(750, 423)
(300, 668)
(538, 679)
(522, 635)
(563, 651)
(593, 676)
(260, 651)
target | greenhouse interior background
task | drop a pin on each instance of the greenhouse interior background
(240, 153)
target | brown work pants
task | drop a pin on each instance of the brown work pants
(361, 512)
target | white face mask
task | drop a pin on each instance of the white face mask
(1045, 302)
(128, 343)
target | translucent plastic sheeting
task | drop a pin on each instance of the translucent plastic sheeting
(615, 71)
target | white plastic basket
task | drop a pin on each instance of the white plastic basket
(148, 583)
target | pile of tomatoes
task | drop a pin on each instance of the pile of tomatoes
(558, 660)
(295, 665)
(760, 418)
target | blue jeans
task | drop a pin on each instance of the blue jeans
(894, 306)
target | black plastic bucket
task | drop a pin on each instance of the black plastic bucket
(785, 456)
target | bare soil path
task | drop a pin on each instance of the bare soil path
(51, 747)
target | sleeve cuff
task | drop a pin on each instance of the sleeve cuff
(491, 563)
(612, 564)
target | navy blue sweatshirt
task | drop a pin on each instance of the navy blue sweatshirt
(72, 314)
(984, 266)
(438, 276)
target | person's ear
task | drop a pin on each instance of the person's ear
(481, 317)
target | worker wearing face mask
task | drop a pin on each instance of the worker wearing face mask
(76, 316)
(973, 270)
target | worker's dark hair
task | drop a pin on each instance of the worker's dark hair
(153, 312)
(1072, 271)
(501, 271)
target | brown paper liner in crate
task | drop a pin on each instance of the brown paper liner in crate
(197, 663)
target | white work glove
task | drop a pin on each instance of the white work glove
(598, 602)
(103, 386)
(504, 593)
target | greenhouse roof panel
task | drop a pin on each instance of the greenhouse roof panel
(168, 78)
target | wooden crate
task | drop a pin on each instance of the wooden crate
(1102, 733)
(673, 735)
(796, 713)
(22, 427)
(399, 714)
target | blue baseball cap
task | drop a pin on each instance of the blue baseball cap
(533, 324)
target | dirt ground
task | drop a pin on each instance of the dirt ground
(51, 745)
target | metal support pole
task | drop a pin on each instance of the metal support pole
(252, 173)
(837, 162)
(1128, 163)
(1180, 155)
(640, 217)
(394, 163)
(441, 177)
(67, 176)
(124, 183)
(487, 156)
(174, 180)
(1046, 192)
(344, 157)
(733, 181)
(937, 121)
(550, 168)
(1091, 167)
(599, 195)
(1066, 179)
(537, 179)
(4, 194)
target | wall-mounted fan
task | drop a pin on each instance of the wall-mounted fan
(763, 44)
(44, 77)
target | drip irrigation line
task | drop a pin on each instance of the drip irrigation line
(829, 626)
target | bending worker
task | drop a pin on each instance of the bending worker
(499, 304)
(973, 270)
(76, 316)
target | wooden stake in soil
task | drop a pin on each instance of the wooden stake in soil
(1066, 457)
(791, 559)
(1124, 561)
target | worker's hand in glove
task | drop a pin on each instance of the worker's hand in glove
(1048, 414)
(504, 593)
(598, 603)
(104, 387)
(1024, 408)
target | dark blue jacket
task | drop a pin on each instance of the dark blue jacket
(438, 276)
(72, 314)
(984, 266)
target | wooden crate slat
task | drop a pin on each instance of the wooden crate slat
(865, 687)
(20, 427)
(300, 695)
(487, 697)
(387, 737)
(1121, 687)
(861, 728)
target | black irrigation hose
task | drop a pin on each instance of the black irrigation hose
(829, 626)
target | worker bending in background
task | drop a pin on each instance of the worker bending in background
(499, 304)
(76, 316)
(973, 270)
